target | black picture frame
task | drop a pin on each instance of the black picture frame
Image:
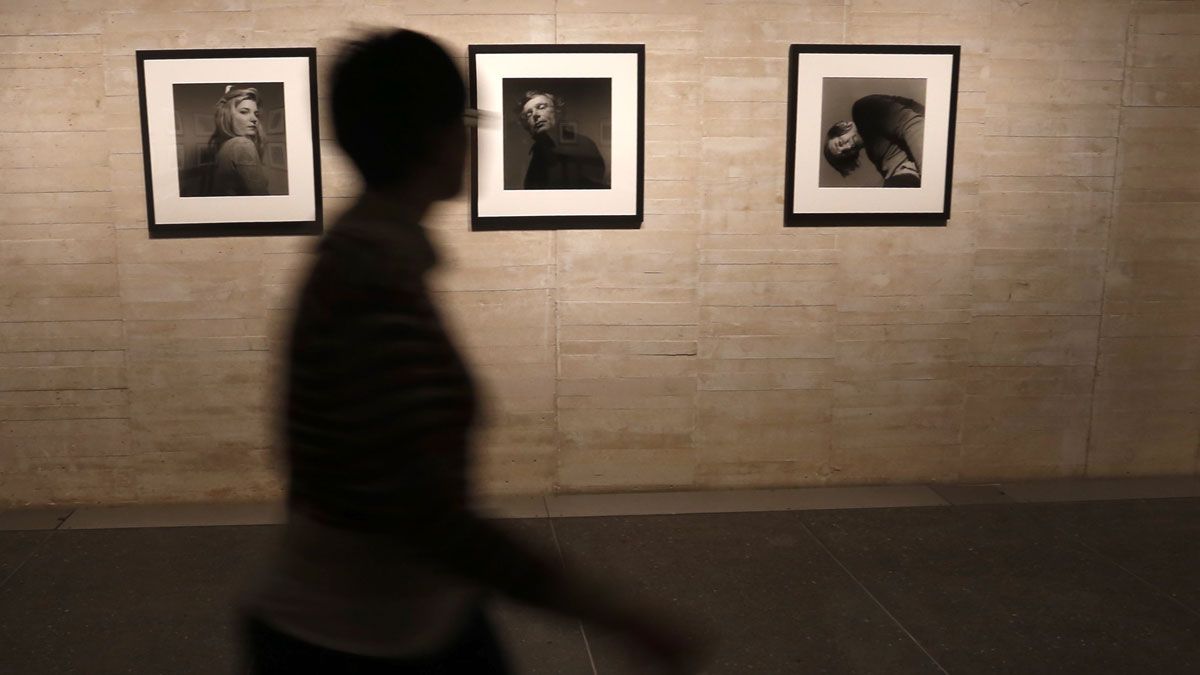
(500, 198)
(871, 83)
(176, 84)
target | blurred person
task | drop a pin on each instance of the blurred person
(383, 567)
(892, 131)
(557, 160)
(236, 145)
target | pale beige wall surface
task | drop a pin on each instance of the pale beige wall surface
(1051, 329)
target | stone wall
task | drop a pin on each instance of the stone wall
(1051, 329)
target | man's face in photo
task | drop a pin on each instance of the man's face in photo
(848, 143)
(538, 115)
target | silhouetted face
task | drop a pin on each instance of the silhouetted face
(849, 143)
(245, 117)
(538, 115)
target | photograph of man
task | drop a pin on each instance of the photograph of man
(557, 153)
(890, 127)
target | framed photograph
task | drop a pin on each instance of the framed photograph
(229, 141)
(870, 134)
(561, 136)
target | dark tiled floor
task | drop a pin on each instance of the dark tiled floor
(16, 548)
(1103, 587)
(998, 589)
(1157, 540)
(539, 644)
(780, 603)
(129, 601)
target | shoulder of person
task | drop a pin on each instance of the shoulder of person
(237, 147)
(886, 101)
(583, 147)
(397, 261)
(871, 103)
(344, 276)
(586, 142)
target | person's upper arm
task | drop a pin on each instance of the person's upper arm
(898, 120)
(249, 167)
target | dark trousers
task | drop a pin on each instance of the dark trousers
(476, 651)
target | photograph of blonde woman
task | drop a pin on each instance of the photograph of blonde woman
(225, 133)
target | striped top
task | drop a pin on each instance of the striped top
(381, 554)
(379, 404)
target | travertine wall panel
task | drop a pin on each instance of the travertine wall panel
(1146, 418)
(904, 295)
(1035, 291)
(626, 308)
(62, 367)
(765, 293)
(1049, 329)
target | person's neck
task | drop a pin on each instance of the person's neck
(406, 201)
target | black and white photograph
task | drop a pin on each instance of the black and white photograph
(553, 133)
(874, 132)
(230, 154)
(870, 133)
(560, 138)
(230, 142)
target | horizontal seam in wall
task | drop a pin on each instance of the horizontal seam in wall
(97, 66)
(1010, 366)
(474, 290)
(69, 297)
(756, 358)
(1050, 136)
(56, 264)
(855, 326)
(67, 131)
(1041, 316)
(64, 192)
(65, 264)
(63, 297)
(1048, 175)
(27, 35)
(125, 388)
(45, 131)
(116, 320)
(63, 419)
(828, 390)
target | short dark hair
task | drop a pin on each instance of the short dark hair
(846, 162)
(390, 91)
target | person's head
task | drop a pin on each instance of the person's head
(398, 102)
(237, 114)
(842, 145)
(538, 112)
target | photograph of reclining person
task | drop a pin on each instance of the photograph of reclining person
(549, 130)
(884, 117)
